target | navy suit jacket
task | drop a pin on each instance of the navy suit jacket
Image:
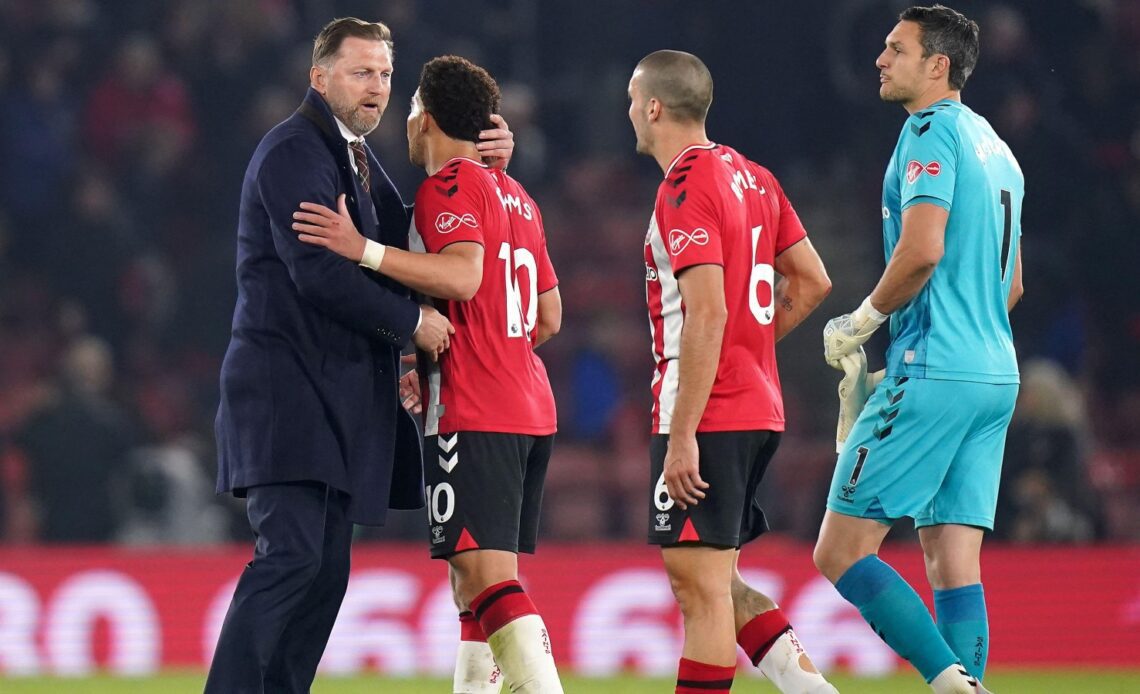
(309, 384)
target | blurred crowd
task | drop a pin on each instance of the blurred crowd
(125, 128)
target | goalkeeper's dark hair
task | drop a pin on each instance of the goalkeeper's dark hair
(460, 96)
(950, 33)
(680, 81)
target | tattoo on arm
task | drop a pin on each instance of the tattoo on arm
(786, 302)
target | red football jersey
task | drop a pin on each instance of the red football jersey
(717, 207)
(490, 379)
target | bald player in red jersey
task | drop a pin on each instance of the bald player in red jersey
(488, 410)
(721, 231)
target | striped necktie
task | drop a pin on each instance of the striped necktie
(361, 157)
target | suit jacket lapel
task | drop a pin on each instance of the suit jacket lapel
(316, 110)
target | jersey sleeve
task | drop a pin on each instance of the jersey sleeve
(689, 220)
(791, 230)
(448, 211)
(928, 162)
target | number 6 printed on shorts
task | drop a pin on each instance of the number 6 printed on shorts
(661, 498)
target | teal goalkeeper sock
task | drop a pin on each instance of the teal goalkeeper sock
(897, 614)
(962, 621)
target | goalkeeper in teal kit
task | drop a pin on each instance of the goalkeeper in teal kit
(928, 442)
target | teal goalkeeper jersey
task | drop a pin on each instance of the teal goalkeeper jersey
(957, 327)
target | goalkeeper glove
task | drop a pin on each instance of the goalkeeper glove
(844, 334)
(854, 389)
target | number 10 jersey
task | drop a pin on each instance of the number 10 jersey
(490, 379)
(717, 207)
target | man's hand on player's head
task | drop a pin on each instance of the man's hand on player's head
(844, 335)
(320, 226)
(434, 334)
(682, 471)
(410, 392)
(498, 144)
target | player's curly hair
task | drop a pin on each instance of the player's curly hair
(460, 95)
(950, 33)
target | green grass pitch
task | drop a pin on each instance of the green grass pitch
(1066, 682)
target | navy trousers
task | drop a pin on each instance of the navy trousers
(287, 598)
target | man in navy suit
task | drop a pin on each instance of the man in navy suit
(310, 428)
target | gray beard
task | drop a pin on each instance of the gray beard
(353, 120)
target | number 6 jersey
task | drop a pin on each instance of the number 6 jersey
(490, 379)
(716, 207)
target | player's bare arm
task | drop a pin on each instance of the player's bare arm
(549, 316)
(804, 286)
(1016, 289)
(702, 291)
(455, 273)
(497, 144)
(919, 249)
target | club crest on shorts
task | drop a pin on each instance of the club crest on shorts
(437, 534)
(663, 525)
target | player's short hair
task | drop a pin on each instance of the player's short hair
(680, 81)
(327, 43)
(460, 96)
(950, 33)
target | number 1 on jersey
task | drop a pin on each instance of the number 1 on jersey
(1007, 231)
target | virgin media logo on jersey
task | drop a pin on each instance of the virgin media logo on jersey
(915, 168)
(679, 240)
(447, 222)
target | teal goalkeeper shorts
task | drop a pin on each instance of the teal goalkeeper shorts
(928, 449)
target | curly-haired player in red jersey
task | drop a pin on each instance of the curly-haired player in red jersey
(489, 417)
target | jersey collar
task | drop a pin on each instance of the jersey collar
(683, 152)
(476, 163)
